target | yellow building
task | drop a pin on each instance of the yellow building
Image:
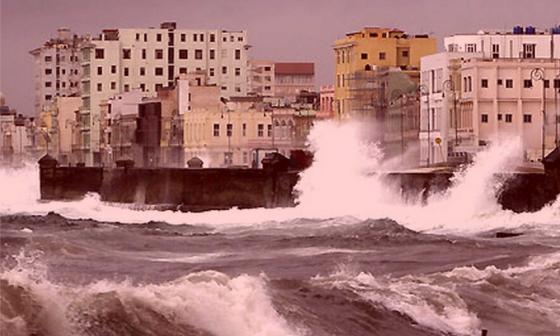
(373, 48)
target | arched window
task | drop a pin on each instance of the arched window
(368, 67)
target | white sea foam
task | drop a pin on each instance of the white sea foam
(339, 184)
(207, 300)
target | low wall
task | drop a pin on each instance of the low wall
(209, 189)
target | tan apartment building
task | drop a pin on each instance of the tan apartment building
(511, 97)
(375, 47)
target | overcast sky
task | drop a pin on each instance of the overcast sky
(283, 30)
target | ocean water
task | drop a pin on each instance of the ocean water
(351, 259)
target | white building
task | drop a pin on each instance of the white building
(57, 68)
(120, 60)
(520, 42)
(282, 80)
(504, 98)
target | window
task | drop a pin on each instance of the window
(48, 58)
(158, 37)
(211, 72)
(126, 53)
(183, 37)
(158, 71)
(48, 97)
(224, 70)
(484, 83)
(99, 53)
(267, 88)
(405, 53)
(183, 54)
(546, 83)
(48, 71)
(528, 50)
(145, 37)
(269, 130)
(237, 54)
(201, 37)
(495, 51)
(143, 53)
(267, 68)
(195, 37)
(470, 47)
(158, 87)
(224, 39)
(382, 55)
(500, 82)
(212, 54)
(125, 72)
(509, 118)
(509, 83)
(216, 129)
(470, 83)
(113, 69)
(527, 118)
(99, 87)
(223, 88)
(527, 83)
(212, 38)
(113, 85)
(142, 87)
(499, 117)
(158, 54)
(198, 54)
(260, 130)
(48, 84)
(238, 71)
(137, 37)
(484, 118)
(244, 129)
(364, 56)
(182, 70)
(126, 88)
(142, 71)
(229, 130)
(557, 83)
(237, 89)
(240, 39)
(99, 71)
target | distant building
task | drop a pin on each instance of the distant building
(375, 47)
(519, 42)
(282, 80)
(17, 136)
(326, 109)
(58, 68)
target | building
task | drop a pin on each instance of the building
(519, 42)
(58, 121)
(17, 136)
(511, 97)
(326, 107)
(370, 47)
(281, 80)
(58, 67)
(119, 60)
(440, 96)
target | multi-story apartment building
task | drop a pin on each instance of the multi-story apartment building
(326, 107)
(519, 42)
(370, 47)
(282, 80)
(57, 68)
(511, 97)
(120, 60)
(445, 134)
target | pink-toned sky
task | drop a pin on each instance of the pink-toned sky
(284, 30)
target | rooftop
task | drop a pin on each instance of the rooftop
(294, 68)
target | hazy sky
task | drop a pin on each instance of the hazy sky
(283, 30)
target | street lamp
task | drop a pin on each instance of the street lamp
(556, 116)
(538, 75)
(423, 90)
(449, 86)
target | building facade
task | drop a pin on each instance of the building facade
(363, 50)
(326, 107)
(282, 80)
(57, 68)
(511, 97)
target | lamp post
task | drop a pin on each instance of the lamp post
(449, 86)
(537, 74)
(423, 90)
(556, 116)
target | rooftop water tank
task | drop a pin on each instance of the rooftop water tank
(518, 30)
(530, 30)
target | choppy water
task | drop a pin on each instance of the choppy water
(351, 259)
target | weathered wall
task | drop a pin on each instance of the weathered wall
(69, 183)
